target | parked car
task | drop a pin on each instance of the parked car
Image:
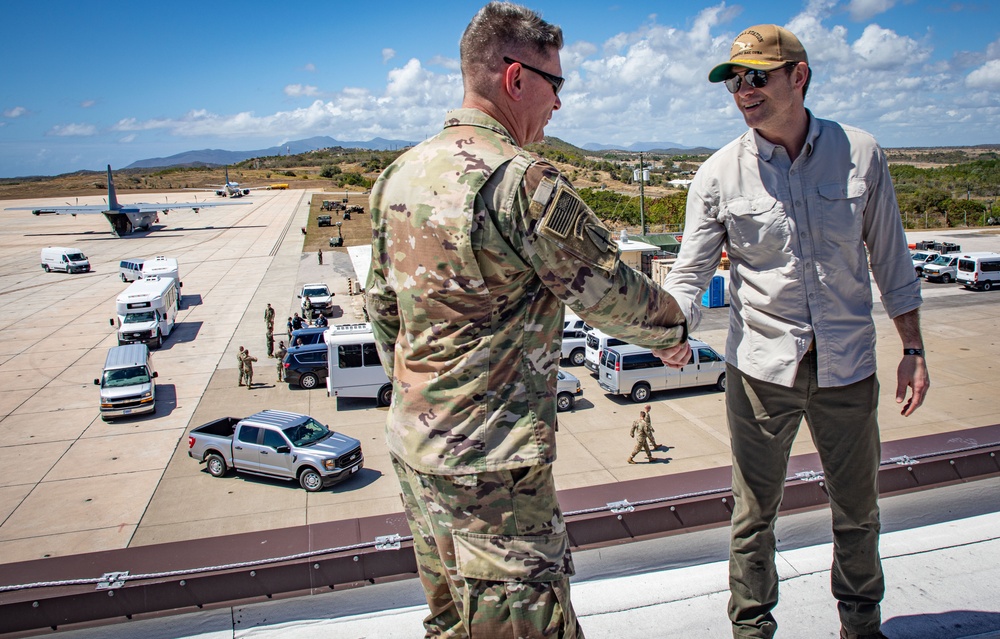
(310, 335)
(323, 220)
(306, 366)
(567, 390)
(278, 444)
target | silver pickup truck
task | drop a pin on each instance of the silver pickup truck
(277, 444)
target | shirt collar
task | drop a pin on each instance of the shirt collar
(475, 117)
(764, 148)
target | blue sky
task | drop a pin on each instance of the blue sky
(89, 83)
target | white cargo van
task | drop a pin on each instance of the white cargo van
(127, 386)
(147, 310)
(61, 258)
(634, 371)
(355, 369)
(979, 270)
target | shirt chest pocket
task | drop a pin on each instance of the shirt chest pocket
(842, 207)
(757, 227)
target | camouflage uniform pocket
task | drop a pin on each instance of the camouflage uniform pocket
(511, 558)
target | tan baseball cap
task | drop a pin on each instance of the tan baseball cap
(765, 47)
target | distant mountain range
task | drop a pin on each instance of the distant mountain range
(221, 157)
(665, 148)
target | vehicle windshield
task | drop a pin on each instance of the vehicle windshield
(136, 318)
(921, 257)
(76, 257)
(310, 292)
(942, 260)
(125, 377)
(307, 433)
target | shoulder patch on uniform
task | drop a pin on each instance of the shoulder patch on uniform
(565, 215)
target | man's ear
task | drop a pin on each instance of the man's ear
(512, 81)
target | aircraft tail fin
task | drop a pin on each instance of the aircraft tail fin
(227, 174)
(112, 197)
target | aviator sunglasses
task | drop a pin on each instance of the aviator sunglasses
(754, 77)
(555, 80)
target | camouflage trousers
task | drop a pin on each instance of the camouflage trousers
(492, 553)
(641, 445)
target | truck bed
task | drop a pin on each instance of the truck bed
(222, 427)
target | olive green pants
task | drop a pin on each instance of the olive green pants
(763, 421)
(492, 553)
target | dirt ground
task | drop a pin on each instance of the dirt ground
(357, 231)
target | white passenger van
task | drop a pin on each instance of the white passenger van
(634, 371)
(597, 342)
(147, 310)
(130, 270)
(61, 258)
(574, 339)
(355, 369)
(127, 386)
(979, 270)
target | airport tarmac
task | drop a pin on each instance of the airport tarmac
(72, 483)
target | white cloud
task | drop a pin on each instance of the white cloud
(301, 90)
(861, 10)
(15, 112)
(86, 104)
(883, 49)
(985, 77)
(388, 54)
(73, 130)
(128, 138)
(310, 67)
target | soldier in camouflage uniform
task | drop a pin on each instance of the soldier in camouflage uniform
(649, 428)
(248, 361)
(478, 246)
(640, 427)
(241, 361)
(269, 318)
(280, 355)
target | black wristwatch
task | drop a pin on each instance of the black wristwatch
(913, 351)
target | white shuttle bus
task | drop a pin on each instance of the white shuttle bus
(163, 267)
(147, 310)
(354, 366)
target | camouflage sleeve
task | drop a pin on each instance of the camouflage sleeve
(380, 297)
(576, 257)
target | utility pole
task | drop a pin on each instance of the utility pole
(642, 197)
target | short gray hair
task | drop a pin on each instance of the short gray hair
(499, 29)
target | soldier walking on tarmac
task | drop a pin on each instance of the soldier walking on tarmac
(319, 256)
(270, 344)
(280, 354)
(640, 427)
(649, 425)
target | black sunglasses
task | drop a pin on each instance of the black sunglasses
(554, 80)
(754, 77)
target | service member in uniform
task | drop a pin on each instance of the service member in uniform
(280, 356)
(478, 247)
(269, 318)
(640, 427)
(649, 428)
(248, 361)
(241, 361)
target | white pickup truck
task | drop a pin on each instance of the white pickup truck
(274, 443)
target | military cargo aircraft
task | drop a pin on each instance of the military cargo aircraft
(124, 218)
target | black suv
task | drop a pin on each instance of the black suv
(305, 366)
(311, 335)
